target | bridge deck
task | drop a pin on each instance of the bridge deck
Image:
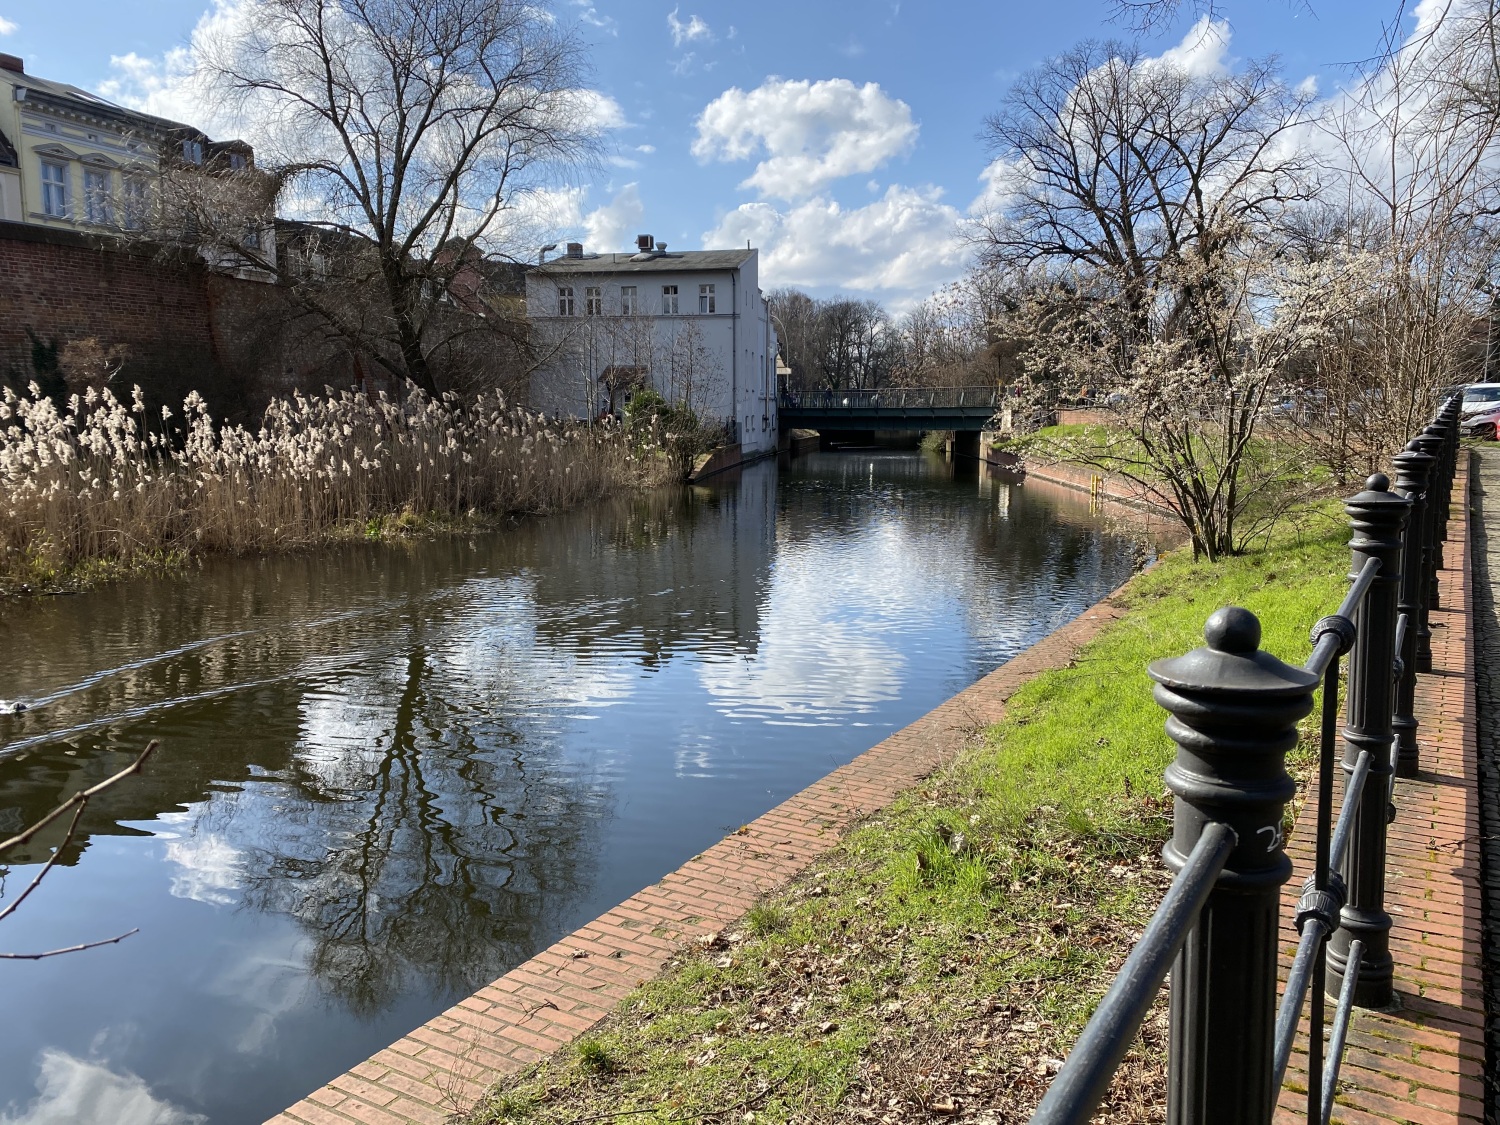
(942, 408)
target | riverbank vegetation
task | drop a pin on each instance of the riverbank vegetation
(938, 963)
(95, 487)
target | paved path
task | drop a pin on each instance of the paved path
(1423, 1063)
(1486, 560)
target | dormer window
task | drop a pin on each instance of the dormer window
(238, 162)
(192, 152)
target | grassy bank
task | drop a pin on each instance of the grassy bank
(939, 962)
(99, 488)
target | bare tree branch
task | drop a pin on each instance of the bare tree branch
(76, 804)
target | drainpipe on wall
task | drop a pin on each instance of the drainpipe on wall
(734, 350)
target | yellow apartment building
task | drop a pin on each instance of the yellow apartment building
(70, 160)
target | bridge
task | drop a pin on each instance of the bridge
(964, 410)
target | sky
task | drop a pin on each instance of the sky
(841, 139)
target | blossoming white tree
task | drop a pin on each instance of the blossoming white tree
(1143, 201)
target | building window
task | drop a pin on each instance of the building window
(54, 189)
(96, 201)
(133, 202)
(593, 301)
(628, 305)
(669, 299)
(564, 300)
(251, 241)
(238, 162)
(192, 152)
(705, 298)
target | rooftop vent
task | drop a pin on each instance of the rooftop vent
(644, 243)
(11, 62)
(661, 247)
(575, 249)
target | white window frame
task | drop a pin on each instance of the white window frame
(593, 300)
(55, 189)
(134, 201)
(98, 204)
(669, 300)
(565, 306)
(628, 303)
(706, 299)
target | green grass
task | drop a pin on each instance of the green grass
(950, 949)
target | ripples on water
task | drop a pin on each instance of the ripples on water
(389, 773)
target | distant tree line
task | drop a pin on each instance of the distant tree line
(954, 338)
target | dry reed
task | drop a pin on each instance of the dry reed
(100, 482)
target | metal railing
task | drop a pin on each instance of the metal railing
(895, 398)
(1234, 711)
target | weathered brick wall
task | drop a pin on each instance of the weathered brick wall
(237, 342)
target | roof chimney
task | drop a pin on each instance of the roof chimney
(644, 244)
(575, 249)
(12, 62)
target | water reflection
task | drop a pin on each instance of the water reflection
(390, 773)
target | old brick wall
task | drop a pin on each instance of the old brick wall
(237, 342)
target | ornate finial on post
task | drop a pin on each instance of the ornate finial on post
(1234, 712)
(1378, 517)
(1412, 474)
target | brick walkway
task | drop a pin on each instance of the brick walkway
(444, 1066)
(1425, 1062)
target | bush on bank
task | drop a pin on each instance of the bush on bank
(99, 485)
(939, 962)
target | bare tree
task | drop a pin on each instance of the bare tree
(1150, 197)
(405, 132)
(695, 371)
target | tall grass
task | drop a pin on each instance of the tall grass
(99, 481)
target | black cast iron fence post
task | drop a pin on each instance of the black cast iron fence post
(1378, 516)
(1425, 531)
(1437, 522)
(1234, 718)
(1414, 470)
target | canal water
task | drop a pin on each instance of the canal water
(388, 773)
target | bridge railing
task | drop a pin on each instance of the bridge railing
(894, 398)
(1233, 714)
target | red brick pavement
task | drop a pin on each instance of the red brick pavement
(444, 1066)
(1423, 1063)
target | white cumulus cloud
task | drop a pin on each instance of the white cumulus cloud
(812, 133)
(687, 31)
(563, 213)
(613, 226)
(898, 247)
(1203, 51)
(7, 27)
(74, 1089)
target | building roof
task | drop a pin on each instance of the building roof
(60, 95)
(676, 262)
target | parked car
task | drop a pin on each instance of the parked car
(1479, 398)
(1481, 423)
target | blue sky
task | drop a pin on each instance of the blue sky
(839, 138)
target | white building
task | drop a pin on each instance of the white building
(692, 325)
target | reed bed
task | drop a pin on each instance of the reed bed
(100, 482)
